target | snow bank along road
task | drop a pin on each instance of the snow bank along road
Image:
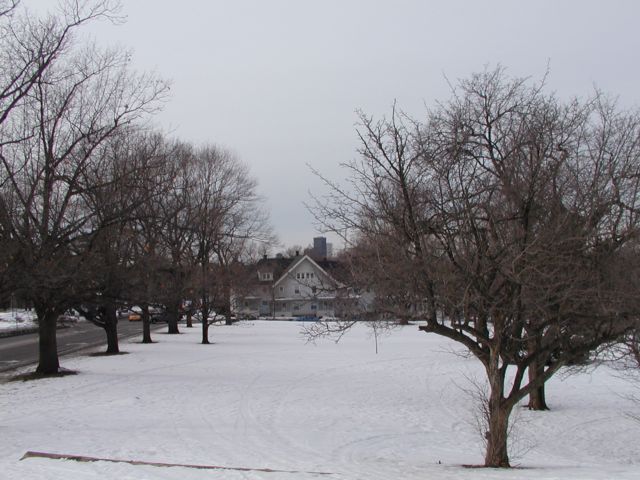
(262, 398)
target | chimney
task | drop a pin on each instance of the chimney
(297, 253)
(264, 257)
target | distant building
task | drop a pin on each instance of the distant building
(293, 287)
(320, 247)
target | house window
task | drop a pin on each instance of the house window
(313, 289)
(266, 276)
(314, 307)
(296, 307)
(281, 289)
(265, 303)
(297, 290)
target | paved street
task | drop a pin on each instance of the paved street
(22, 350)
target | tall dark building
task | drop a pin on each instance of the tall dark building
(320, 247)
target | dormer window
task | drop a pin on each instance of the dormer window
(265, 276)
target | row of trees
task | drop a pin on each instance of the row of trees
(507, 220)
(96, 209)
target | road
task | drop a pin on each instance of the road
(22, 350)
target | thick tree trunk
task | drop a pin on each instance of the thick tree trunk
(173, 317)
(537, 398)
(146, 325)
(48, 362)
(111, 328)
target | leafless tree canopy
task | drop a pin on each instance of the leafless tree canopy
(507, 220)
(96, 210)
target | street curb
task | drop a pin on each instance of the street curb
(25, 331)
(18, 332)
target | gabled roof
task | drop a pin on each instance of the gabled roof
(295, 263)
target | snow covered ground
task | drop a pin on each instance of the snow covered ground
(261, 397)
(17, 320)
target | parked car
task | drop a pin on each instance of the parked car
(161, 317)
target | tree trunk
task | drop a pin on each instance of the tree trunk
(205, 324)
(111, 328)
(497, 411)
(48, 362)
(537, 398)
(497, 455)
(226, 311)
(189, 318)
(174, 316)
(205, 332)
(146, 325)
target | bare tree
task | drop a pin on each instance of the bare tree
(500, 221)
(32, 44)
(175, 233)
(152, 155)
(226, 219)
(133, 160)
(29, 46)
(73, 108)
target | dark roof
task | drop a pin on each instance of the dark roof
(277, 266)
(334, 268)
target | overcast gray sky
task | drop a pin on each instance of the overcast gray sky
(278, 81)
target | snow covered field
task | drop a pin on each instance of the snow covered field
(261, 397)
(17, 320)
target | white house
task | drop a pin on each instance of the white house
(294, 287)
